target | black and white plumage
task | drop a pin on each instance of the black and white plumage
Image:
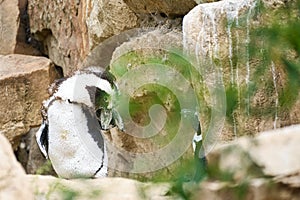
(80, 107)
(199, 154)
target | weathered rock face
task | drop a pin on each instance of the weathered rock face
(167, 7)
(12, 176)
(69, 30)
(23, 86)
(9, 24)
(218, 36)
(107, 18)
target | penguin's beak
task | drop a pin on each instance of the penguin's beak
(110, 118)
(105, 118)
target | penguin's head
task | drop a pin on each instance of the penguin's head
(106, 104)
(94, 88)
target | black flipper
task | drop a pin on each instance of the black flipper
(42, 139)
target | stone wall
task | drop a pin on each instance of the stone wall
(125, 35)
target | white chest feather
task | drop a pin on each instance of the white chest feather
(76, 146)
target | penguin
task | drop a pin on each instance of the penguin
(200, 161)
(79, 109)
(199, 158)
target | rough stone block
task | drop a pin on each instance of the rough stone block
(23, 86)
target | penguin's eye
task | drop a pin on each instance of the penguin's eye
(105, 99)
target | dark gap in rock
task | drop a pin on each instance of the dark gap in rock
(30, 157)
(24, 40)
(39, 40)
(163, 15)
(59, 71)
(160, 20)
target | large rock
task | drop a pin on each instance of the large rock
(260, 168)
(152, 56)
(104, 188)
(14, 183)
(12, 176)
(167, 7)
(23, 86)
(9, 25)
(70, 30)
(275, 154)
(218, 35)
(255, 189)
